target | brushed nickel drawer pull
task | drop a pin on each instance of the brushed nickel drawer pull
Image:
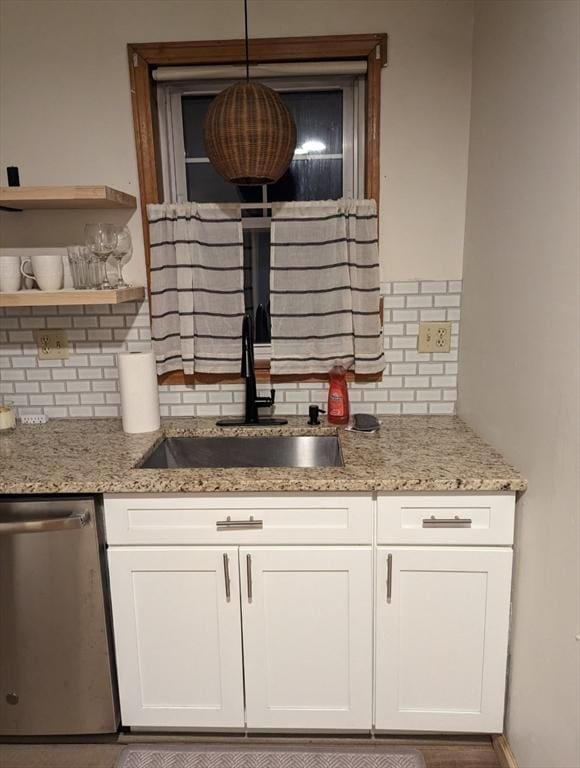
(447, 522)
(239, 525)
(227, 576)
(389, 577)
(249, 576)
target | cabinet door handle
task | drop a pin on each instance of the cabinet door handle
(389, 577)
(249, 576)
(238, 525)
(447, 522)
(227, 576)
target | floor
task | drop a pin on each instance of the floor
(437, 752)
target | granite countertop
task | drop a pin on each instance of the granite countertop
(409, 453)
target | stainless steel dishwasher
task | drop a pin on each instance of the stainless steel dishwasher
(56, 671)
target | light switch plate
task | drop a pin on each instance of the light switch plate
(434, 337)
(51, 344)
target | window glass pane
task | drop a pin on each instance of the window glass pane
(257, 281)
(194, 110)
(205, 185)
(318, 117)
(319, 179)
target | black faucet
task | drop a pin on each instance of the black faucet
(253, 402)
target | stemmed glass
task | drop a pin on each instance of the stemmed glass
(123, 250)
(101, 239)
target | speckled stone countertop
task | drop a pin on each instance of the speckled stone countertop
(409, 453)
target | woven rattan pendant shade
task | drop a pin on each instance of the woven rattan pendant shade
(249, 134)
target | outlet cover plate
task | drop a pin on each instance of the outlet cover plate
(51, 344)
(434, 337)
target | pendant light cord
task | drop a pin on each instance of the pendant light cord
(247, 47)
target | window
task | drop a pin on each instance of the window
(328, 162)
(145, 59)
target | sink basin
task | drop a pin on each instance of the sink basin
(224, 452)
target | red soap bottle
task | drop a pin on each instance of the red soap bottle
(338, 411)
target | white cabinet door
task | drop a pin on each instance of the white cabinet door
(307, 618)
(441, 638)
(177, 636)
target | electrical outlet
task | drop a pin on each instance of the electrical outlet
(434, 337)
(51, 345)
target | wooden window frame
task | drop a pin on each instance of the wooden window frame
(145, 57)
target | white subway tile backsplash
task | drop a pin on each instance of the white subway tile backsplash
(415, 408)
(400, 395)
(433, 286)
(92, 398)
(29, 386)
(80, 411)
(423, 395)
(66, 399)
(391, 409)
(56, 413)
(90, 373)
(24, 362)
(449, 300)
(419, 301)
(86, 385)
(405, 315)
(432, 315)
(51, 386)
(40, 374)
(416, 381)
(441, 408)
(67, 374)
(406, 287)
(79, 386)
(102, 411)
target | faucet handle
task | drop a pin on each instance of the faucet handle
(272, 395)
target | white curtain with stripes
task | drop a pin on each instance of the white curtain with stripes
(197, 292)
(325, 287)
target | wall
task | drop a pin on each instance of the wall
(519, 368)
(65, 113)
(86, 385)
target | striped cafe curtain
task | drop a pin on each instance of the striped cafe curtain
(324, 287)
(197, 291)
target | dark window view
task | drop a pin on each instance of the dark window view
(257, 281)
(316, 173)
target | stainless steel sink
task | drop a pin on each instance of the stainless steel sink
(223, 452)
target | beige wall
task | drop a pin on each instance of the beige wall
(65, 115)
(519, 373)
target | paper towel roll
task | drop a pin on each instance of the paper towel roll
(139, 392)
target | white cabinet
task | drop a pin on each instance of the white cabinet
(442, 619)
(307, 625)
(177, 636)
(286, 642)
(301, 611)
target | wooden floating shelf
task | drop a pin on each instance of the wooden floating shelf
(64, 298)
(30, 198)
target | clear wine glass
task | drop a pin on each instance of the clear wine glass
(122, 253)
(101, 239)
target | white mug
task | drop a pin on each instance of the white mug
(48, 270)
(10, 278)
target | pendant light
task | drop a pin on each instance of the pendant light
(249, 133)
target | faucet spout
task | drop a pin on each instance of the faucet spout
(248, 372)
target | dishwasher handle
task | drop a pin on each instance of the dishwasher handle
(43, 525)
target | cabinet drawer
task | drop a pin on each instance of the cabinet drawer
(241, 519)
(445, 519)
